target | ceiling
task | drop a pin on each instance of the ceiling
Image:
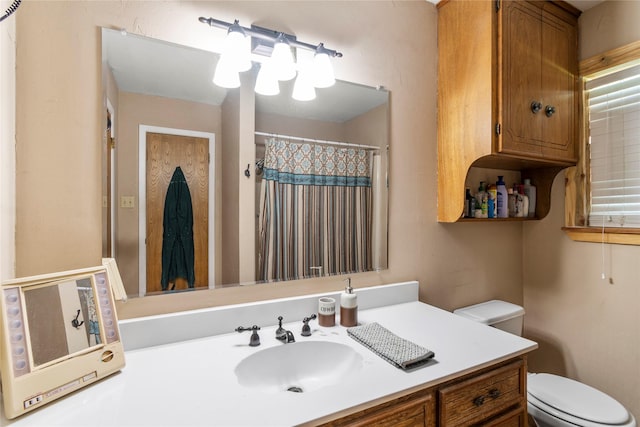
(584, 4)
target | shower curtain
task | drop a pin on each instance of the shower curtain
(315, 211)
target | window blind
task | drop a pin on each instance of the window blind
(614, 125)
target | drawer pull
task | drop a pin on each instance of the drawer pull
(494, 393)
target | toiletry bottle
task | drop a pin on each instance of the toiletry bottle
(481, 200)
(492, 198)
(519, 202)
(503, 199)
(530, 192)
(524, 210)
(512, 202)
(348, 306)
(469, 204)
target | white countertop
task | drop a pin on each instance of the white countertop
(192, 383)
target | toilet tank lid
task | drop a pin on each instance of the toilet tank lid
(576, 399)
(491, 312)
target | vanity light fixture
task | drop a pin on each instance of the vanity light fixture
(280, 66)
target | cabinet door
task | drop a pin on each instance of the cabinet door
(559, 90)
(538, 67)
(522, 78)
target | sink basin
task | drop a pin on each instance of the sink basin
(298, 367)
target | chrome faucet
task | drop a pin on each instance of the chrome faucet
(282, 334)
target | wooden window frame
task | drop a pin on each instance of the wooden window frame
(577, 177)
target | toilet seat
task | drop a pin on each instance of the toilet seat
(575, 402)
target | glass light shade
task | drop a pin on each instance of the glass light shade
(282, 60)
(226, 74)
(266, 82)
(323, 71)
(303, 89)
(237, 50)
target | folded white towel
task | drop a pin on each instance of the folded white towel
(398, 351)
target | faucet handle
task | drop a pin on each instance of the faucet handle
(254, 341)
(281, 333)
(306, 329)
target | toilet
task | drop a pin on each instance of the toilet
(552, 400)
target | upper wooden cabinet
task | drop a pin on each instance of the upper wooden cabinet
(507, 94)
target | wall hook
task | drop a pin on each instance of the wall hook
(75, 322)
(247, 172)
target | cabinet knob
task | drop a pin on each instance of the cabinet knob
(549, 110)
(494, 393)
(478, 401)
(536, 107)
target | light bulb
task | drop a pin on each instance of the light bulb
(323, 71)
(226, 75)
(303, 89)
(282, 59)
(266, 82)
(237, 49)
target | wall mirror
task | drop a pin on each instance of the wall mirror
(77, 305)
(162, 111)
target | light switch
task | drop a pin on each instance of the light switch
(127, 202)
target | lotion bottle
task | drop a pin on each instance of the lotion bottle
(503, 198)
(530, 191)
(348, 306)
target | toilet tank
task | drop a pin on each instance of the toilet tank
(499, 314)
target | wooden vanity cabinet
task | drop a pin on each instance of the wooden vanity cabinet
(507, 94)
(494, 396)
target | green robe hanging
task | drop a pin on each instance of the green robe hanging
(177, 237)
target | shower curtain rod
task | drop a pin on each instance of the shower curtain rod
(319, 141)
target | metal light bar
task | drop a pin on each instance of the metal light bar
(269, 35)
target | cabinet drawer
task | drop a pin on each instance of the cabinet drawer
(483, 396)
(418, 411)
(513, 418)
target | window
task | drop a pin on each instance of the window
(602, 196)
(613, 108)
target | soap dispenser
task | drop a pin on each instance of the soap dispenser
(348, 306)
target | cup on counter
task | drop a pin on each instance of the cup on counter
(326, 311)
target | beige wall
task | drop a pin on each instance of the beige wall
(587, 328)
(230, 150)
(58, 125)
(286, 125)
(7, 143)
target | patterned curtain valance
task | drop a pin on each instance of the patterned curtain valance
(307, 163)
